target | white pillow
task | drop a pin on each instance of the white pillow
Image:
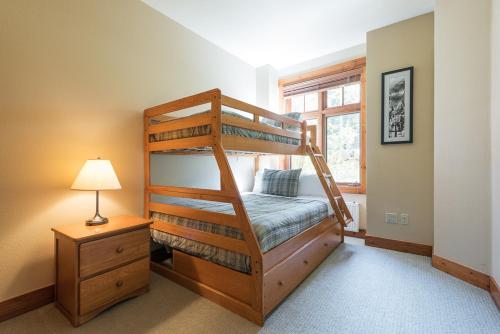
(257, 186)
(310, 185)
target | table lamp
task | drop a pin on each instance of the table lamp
(96, 175)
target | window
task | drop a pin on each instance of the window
(297, 103)
(302, 103)
(352, 93)
(343, 139)
(311, 102)
(343, 95)
(332, 99)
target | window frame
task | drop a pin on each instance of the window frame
(323, 112)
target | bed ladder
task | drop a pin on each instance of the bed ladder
(327, 181)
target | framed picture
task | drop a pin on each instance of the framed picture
(397, 106)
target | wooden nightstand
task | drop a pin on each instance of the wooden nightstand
(99, 266)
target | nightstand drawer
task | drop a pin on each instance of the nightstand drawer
(99, 255)
(104, 289)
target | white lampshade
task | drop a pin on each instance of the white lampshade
(96, 174)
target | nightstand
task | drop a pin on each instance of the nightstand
(99, 266)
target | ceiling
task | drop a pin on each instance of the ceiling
(286, 32)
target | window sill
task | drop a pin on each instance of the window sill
(351, 189)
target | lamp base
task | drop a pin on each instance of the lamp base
(97, 220)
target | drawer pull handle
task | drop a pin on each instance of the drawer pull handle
(280, 283)
(119, 249)
(119, 284)
(306, 262)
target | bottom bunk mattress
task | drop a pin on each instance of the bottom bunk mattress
(274, 219)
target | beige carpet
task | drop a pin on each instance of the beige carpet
(357, 289)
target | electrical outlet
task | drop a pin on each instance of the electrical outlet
(404, 219)
(391, 218)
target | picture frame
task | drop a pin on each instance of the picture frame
(397, 106)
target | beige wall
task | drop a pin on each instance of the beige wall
(462, 138)
(400, 177)
(495, 139)
(75, 77)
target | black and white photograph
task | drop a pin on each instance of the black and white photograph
(397, 101)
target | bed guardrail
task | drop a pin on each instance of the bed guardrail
(215, 118)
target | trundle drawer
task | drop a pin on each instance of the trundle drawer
(104, 289)
(106, 253)
(282, 279)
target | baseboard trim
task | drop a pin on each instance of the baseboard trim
(18, 305)
(397, 245)
(361, 234)
(462, 272)
(495, 292)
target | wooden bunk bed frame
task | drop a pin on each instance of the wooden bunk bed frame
(274, 274)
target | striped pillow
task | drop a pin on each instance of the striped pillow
(281, 182)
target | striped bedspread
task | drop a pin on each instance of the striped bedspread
(231, 130)
(274, 219)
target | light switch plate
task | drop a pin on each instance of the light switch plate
(404, 219)
(391, 218)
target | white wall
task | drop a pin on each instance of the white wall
(267, 88)
(199, 171)
(341, 56)
(495, 139)
(462, 178)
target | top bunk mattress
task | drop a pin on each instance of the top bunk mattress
(204, 130)
(274, 219)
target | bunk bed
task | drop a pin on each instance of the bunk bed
(270, 271)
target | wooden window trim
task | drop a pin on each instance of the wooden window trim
(323, 112)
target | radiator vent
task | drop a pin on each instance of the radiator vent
(354, 208)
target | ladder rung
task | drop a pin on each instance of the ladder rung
(327, 175)
(318, 154)
(338, 198)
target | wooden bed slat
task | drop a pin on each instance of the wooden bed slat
(251, 125)
(196, 214)
(243, 106)
(181, 123)
(238, 143)
(235, 245)
(194, 193)
(234, 283)
(184, 143)
(184, 103)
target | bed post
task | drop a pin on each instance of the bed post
(228, 183)
(147, 175)
(304, 136)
